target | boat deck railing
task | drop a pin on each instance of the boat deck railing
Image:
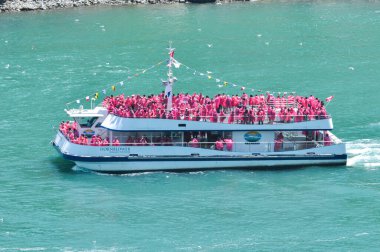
(243, 119)
(276, 146)
(244, 146)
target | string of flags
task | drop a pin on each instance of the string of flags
(173, 62)
(223, 83)
(95, 96)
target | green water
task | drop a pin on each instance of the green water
(50, 58)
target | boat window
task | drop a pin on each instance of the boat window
(296, 140)
(86, 122)
(150, 138)
(227, 134)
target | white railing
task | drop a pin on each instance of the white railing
(236, 146)
(240, 119)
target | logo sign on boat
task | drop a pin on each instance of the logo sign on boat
(252, 136)
(89, 132)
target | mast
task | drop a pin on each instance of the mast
(171, 79)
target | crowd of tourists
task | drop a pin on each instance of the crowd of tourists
(70, 130)
(244, 109)
(220, 144)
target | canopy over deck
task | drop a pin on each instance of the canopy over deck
(96, 112)
(117, 123)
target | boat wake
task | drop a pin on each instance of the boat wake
(364, 152)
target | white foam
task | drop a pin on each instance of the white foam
(374, 125)
(364, 152)
(361, 234)
(331, 240)
(32, 249)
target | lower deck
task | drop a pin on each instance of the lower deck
(138, 158)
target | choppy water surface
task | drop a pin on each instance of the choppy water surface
(50, 58)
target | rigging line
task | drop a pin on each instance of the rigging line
(233, 84)
(120, 82)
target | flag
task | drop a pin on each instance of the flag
(328, 99)
(104, 91)
(176, 63)
(171, 53)
(168, 93)
(87, 98)
(113, 88)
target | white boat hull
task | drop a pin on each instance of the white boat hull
(123, 159)
(140, 166)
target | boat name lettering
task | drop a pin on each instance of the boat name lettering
(116, 149)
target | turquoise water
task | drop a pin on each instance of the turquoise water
(50, 58)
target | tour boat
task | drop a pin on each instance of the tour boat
(166, 132)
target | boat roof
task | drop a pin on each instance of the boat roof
(95, 112)
(117, 123)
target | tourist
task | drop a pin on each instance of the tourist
(219, 144)
(229, 144)
(327, 140)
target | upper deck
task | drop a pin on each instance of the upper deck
(198, 112)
